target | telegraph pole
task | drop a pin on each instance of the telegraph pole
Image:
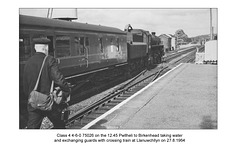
(211, 28)
(50, 11)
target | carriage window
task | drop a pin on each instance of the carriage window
(87, 41)
(62, 46)
(100, 44)
(118, 44)
(82, 52)
(82, 40)
(79, 45)
(24, 47)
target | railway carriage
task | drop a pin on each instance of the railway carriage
(79, 47)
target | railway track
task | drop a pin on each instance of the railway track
(88, 114)
(87, 117)
(175, 55)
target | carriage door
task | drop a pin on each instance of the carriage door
(84, 51)
(87, 48)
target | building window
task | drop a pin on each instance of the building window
(24, 47)
(62, 46)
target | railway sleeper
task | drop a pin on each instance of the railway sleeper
(111, 104)
(117, 100)
(106, 108)
(120, 98)
(130, 93)
(100, 111)
(138, 88)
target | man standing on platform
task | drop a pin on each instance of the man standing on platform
(50, 72)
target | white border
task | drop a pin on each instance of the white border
(227, 134)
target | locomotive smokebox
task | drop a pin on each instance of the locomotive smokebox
(64, 14)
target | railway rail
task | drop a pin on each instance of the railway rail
(83, 117)
(175, 55)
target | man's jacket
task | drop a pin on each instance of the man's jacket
(50, 72)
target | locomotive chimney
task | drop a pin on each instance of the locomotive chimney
(154, 33)
(64, 14)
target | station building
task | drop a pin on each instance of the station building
(169, 42)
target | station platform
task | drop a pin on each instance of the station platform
(184, 98)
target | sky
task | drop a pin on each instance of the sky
(162, 21)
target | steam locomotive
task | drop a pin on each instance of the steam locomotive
(82, 49)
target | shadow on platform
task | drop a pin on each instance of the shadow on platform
(208, 123)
